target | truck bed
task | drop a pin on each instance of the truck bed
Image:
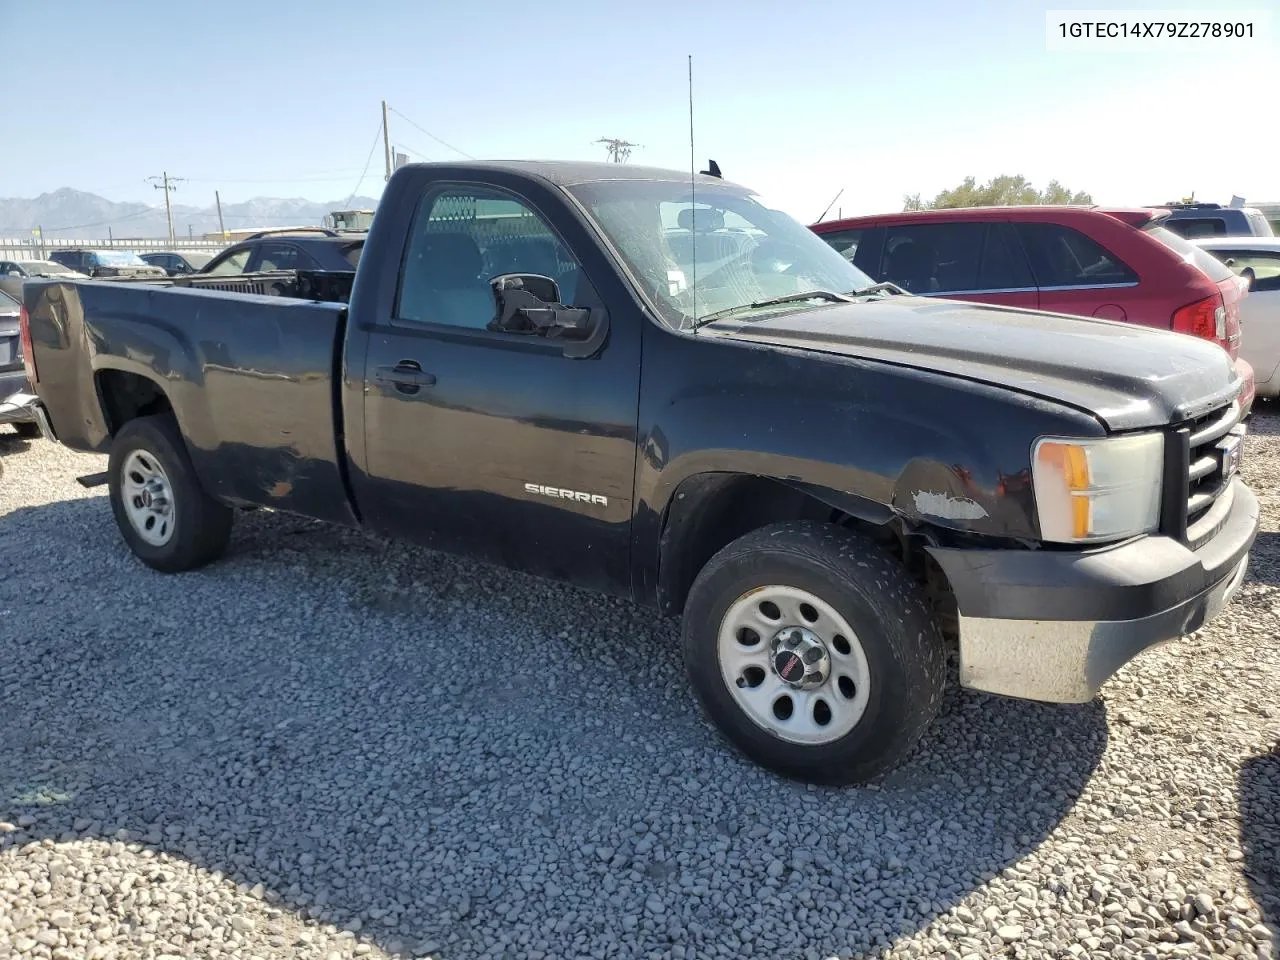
(259, 369)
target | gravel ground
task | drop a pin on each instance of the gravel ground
(329, 746)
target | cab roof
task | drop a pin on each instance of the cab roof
(567, 173)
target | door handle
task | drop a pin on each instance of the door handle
(406, 373)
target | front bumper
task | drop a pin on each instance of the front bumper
(1056, 625)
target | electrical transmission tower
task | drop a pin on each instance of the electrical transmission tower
(618, 150)
(166, 183)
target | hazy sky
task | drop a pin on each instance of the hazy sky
(795, 99)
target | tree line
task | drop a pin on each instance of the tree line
(998, 192)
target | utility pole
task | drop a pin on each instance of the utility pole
(218, 200)
(386, 140)
(167, 185)
(618, 150)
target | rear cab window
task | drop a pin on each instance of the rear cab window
(1193, 227)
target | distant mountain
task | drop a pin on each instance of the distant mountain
(66, 214)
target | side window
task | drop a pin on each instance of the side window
(277, 256)
(1192, 227)
(463, 237)
(1004, 266)
(1262, 269)
(231, 264)
(1063, 257)
(933, 257)
(844, 241)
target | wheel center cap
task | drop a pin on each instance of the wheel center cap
(799, 658)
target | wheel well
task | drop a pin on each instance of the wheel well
(711, 511)
(127, 396)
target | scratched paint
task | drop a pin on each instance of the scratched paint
(948, 508)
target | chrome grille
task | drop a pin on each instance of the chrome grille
(1215, 444)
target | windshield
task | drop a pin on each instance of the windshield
(737, 250)
(118, 258)
(1196, 256)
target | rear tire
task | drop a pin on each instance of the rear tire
(814, 652)
(163, 513)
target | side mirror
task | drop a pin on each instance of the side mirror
(530, 303)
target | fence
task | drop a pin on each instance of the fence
(36, 248)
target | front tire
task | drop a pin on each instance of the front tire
(163, 513)
(814, 652)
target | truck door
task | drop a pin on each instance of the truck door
(495, 444)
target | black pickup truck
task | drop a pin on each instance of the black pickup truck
(654, 385)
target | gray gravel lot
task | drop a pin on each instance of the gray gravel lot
(331, 746)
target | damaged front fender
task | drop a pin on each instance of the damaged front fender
(970, 498)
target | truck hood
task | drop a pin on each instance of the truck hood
(1127, 376)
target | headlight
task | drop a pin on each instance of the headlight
(1093, 490)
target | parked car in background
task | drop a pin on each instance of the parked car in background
(1214, 220)
(106, 263)
(318, 249)
(175, 263)
(13, 376)
(1111, 264)
(13, 272)
(1256, 260)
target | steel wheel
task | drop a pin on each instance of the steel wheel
(148, 498)
(793, 664)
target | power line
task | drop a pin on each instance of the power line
(429, 133)
(341, 175)
(377, 135)
(102, 223)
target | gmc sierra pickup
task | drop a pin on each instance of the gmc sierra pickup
(655, 385)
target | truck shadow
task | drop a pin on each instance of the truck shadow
(1260, 835)
(11, 444)
(1264, 559)
(372, 731)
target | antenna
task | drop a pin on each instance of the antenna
(830, 205)
(693, 204)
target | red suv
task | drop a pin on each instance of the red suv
(1113, 264)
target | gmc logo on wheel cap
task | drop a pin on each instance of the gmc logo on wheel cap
(789, 666)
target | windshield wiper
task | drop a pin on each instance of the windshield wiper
(882, 287)
(773, 302)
